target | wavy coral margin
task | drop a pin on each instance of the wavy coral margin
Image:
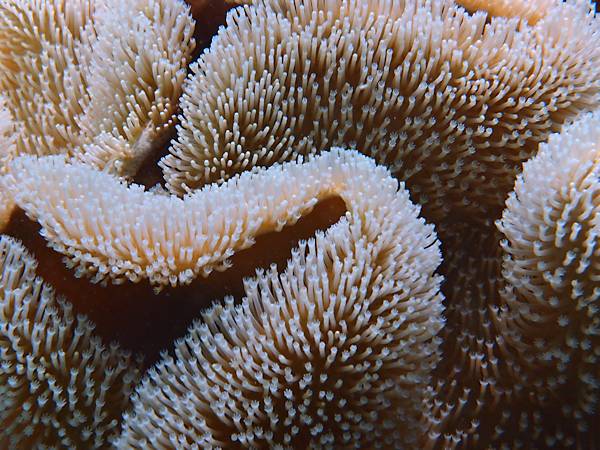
(549, 316)
(453, 105)
(111, 231)
(520, 362)
(96, 79)
(135, 73)
(530, 10)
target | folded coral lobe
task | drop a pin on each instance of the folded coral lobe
(549, 315)
(60, 387)
(135, 70)
(42, 64)
(334, 351)
(111, 231)
(452, 102)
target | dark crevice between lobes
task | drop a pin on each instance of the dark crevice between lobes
(147, 323)
(149, 173)
(209, 15)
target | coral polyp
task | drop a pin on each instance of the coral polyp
(59, 385)
(333, 352)
(549, 316)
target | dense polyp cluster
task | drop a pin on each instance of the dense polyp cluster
(549, 316)
(451, 104)
(95, 79)
(111, 231)
(133, 100)
(42, 54)
(463, 407)
(342, 342)
(7, 142)
(519, 366)
(59, 385)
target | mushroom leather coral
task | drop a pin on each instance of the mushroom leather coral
(477, 399)
(334, 352)
(134, 98)
(42, 59)
(342, 344)
(451, 104)
(519, 364)
(59, 386)
(95, 79)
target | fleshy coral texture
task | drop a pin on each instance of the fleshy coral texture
(453, 100)
(42, 60)
(451, 104)
(133, 99)
(462, 409)
(59, 386)
(7, 144)
(94, 79)
(519, 365)
(334, 352)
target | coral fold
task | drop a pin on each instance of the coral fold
(111, 231)
(452, 104)
(333, 352)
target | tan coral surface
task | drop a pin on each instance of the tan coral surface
(42, 63)
(7, 149)
(530, 10)
(550, 317)
(111, 231)
(134, 98)
(338, 346)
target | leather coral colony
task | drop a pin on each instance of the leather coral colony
(345, 343)
(549, 314)
(519, 367)
(97, 79)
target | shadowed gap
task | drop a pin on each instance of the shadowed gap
(149, 173)
(144, 322)
(209, 15)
